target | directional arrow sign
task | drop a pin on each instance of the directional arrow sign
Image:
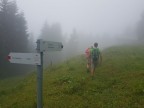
(50, 46)
(25, 58)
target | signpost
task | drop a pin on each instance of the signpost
(50, 46)
(39, 76)
(25, 58)
(36, 59)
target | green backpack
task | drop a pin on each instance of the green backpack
(95, 54)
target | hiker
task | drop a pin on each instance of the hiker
(96, 58)
(88, 57)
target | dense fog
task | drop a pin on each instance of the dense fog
(75, 23)
(104, 21)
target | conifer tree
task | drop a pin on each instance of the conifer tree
(13, 31)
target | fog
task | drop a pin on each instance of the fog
(90, 16)
(75, 23)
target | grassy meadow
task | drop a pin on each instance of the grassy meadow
(118, 83)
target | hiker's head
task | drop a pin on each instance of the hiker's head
(95, 44)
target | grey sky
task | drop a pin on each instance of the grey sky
(91, 16)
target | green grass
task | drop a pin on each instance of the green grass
(118, 83)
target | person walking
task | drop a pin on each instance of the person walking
(96, 58)
(88, 54)
(88, 57)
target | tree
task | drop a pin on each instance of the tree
(72, 47)
(45, 31)
(52, 33)
(13, 31)
(140, 28)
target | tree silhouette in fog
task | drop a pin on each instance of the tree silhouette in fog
(52, 33)
(72, 45)
(140, 28)
(13, 31)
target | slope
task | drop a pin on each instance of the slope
(118, 83)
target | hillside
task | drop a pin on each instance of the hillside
(118, 83)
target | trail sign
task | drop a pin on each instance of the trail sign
(50, 46)
(36, 59)
(25, 58)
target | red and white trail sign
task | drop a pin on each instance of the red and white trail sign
(25, 58)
